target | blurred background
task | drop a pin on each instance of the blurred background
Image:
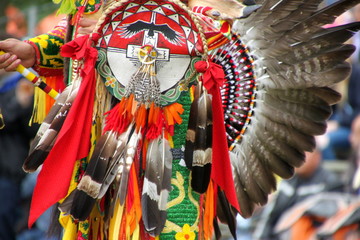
(27, 18)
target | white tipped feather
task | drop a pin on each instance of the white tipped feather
(157, 185)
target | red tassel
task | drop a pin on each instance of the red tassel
(213, 78)
(115, 121)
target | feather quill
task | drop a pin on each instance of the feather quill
(246, 205)
(225, 213)
(269, 159)
(116, 161)
(327, 94)
(302, 125)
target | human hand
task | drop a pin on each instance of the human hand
(86, 26)
(225, 9)
(16, 52)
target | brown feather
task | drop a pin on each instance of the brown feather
(225, 213)
(201, 167)
(157, 185)
(90, 184)
(190, 133)
(47, 134)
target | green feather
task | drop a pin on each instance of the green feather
(67, 6)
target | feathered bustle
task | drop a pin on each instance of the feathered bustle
(296, 61)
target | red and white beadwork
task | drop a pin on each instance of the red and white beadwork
(239, 90)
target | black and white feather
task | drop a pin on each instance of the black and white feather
(49, 129)
(90, 184)
(157, 185)
(202, 155)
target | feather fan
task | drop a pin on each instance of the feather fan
(293, 61)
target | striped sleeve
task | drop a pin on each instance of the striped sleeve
(47, 46)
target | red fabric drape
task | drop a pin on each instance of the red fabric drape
(213, 78)
(73, 141)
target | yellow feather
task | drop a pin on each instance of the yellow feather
(115, 221)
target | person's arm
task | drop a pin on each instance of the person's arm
(47, 50)
(41, 52)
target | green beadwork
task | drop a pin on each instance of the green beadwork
(49, 46)
(186, 212)
(91, 7)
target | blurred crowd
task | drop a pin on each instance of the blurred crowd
(317, 203)
(16, 104)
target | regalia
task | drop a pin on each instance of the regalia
(181, 114)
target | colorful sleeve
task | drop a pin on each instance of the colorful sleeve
(47, 46)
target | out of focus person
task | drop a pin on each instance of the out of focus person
(335, 143)
(355, 58)
(309, 179)
(16, 103)
(353, 180)
(16, 133)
